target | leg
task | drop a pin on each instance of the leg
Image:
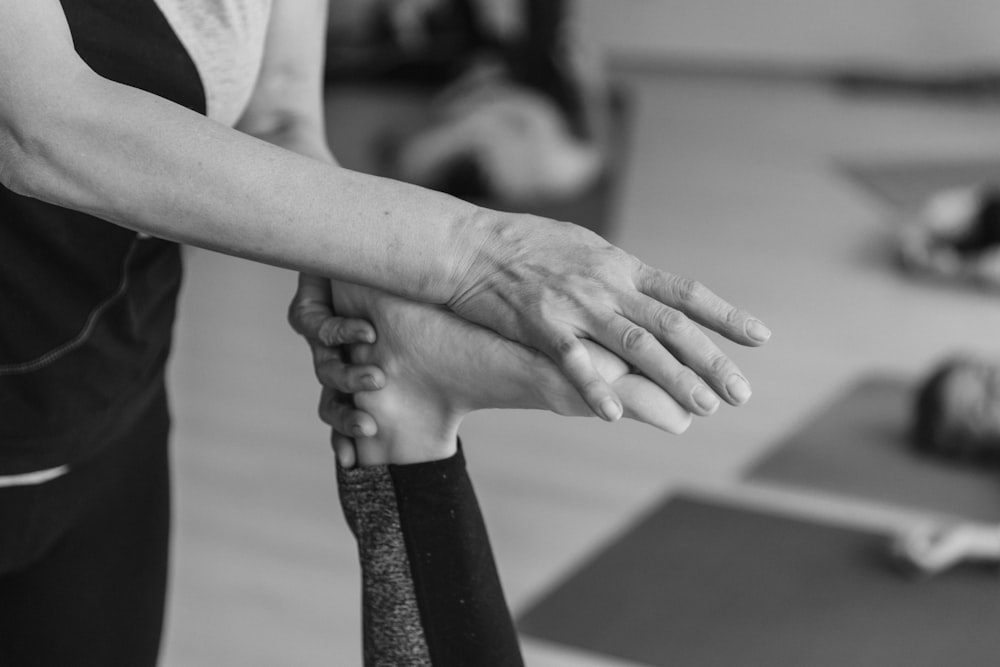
(92, 592)
(430, 589)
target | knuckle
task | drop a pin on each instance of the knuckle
(734, 318)
(297, 316)
(328, 372)
(672, 322)
(689, 291)
(331, 331)
(326, 407)
(594, 387)
(719, 365)
(634, 338)
(566, 347)
(686, 378)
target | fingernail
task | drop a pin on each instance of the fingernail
(738, 388)
(705, 398)
(358, 430)
(610, 409)
(756, 330)
(369, 382)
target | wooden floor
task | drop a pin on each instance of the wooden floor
(731, 181)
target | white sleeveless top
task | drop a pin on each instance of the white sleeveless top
(225, 39)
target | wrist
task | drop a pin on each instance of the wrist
(479, 251)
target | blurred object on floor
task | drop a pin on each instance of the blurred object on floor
(932, 549)
(490, 137)
(956, 411)
(516, 111)
(361, 116)
(955, 236)
(860, 447)
(906, 184)
(945, 215)
(962, 87)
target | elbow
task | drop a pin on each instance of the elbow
(41, 136)
(15, 163)
(23, 153)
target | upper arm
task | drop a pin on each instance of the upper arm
(38, 71)
(290, 86)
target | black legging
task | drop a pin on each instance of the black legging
(83, 558)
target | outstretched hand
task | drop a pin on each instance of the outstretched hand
(551, 285)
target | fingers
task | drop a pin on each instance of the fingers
(333, 372)
(570, 356)
(344, 450)
(677, 354)
(336, 410)
(311, 315)
(312, 303)
(702, 305)
(648, 403)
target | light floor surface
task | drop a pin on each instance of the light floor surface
(730, 181)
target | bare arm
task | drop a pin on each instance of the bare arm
(286, 109)
(73, 138)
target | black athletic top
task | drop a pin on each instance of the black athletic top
(86, 306)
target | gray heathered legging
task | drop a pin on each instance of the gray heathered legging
(431, 594)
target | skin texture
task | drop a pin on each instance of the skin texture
(440, 367)
(174, 174)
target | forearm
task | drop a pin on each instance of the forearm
(145, 163)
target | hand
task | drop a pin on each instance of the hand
(311, 315)
(549, 285)
(440, 367)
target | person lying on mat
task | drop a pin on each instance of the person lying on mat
(430, 587)
(956, 418)
(955, 236)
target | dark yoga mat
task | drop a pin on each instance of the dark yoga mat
(702, 585)
(908, 184)
(858, 447)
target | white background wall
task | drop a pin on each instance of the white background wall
(904, 34)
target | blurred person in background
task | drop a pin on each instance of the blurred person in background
(956, 418)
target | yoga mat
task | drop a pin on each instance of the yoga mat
(696, 584)
(907, 185)
(361, 116)
(858, 447)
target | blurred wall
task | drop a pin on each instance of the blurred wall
(908, 35)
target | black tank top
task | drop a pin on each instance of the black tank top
(87, 307)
